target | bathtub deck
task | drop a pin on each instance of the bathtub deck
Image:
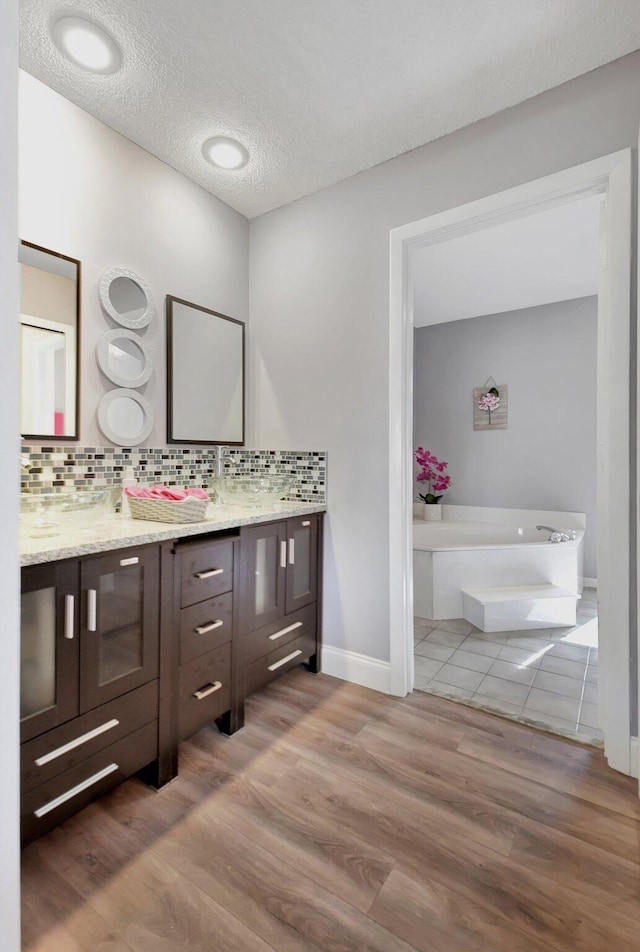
(342, 819)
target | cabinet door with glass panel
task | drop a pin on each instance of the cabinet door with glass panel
(302, 562)
(119, 624)
(49, 647)
(264, 560)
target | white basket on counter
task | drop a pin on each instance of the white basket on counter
(190, 509)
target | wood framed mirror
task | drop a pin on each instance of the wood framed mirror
(205, 375)
(49, 343)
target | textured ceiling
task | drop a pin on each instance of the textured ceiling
(538, 259)
(318, 91)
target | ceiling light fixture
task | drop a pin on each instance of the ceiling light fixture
(225, 153)
(86, 44)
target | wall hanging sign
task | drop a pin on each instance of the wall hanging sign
(490, 405)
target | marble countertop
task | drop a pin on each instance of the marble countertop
(117, 531)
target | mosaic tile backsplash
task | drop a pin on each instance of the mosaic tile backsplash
(83, 466)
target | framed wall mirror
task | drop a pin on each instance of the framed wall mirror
(49, 343)
(125, 417)
(205, 375)
(124, 358)
(126, 297)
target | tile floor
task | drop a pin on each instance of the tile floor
(546, 675)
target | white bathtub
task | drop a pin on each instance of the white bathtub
(451, 556)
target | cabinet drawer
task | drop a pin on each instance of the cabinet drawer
(67, 746)
(205, 689)
(276, 634)
(277, 662)
(205, 626)
(50, 803)
(207, 570)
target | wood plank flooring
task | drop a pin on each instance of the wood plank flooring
(346, 821)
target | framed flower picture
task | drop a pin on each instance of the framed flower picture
(490, 406)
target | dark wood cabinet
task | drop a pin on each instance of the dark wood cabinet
(119, 624)
(89, 680)
(205, 624)
(127, 653)
(49, 647)
(302, 562)
(280, 606)
(264, 574)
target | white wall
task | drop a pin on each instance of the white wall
(9, 578)
(88, 192)
(546, 458)
(320, 310)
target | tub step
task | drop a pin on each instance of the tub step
(519, 607)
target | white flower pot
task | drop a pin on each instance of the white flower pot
(432, 512)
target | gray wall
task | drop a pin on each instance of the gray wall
(546, 458)
(103, 199)
(9, 577)
(319, 290)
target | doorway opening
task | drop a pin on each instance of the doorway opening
(609, 177)
(505, 381)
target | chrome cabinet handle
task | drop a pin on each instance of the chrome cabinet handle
(283, 555)
(205, 629)
(292, 551)
(92, 609)
(307, 522)
(83, 739)
(74, 791)
(69, 606)
(290, 657)
(285, 631)
(132, 561)
(209, 573)
(202, 693)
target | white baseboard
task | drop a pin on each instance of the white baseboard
(357, 668)
(590, 583)
(635, 757)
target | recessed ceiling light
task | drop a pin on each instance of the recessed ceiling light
(86, 44)
(225, 153)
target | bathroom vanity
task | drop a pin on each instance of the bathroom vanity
(137, 634)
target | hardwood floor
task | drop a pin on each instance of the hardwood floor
(345, 820)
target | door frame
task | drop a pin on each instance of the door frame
(611, 176)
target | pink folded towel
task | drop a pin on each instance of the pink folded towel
(165, 492)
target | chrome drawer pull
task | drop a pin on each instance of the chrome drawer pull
(205, 629)
(285, 631)
(92, 609)
(132, 561)
(89, 782)
(290, 657)
(69, 604)
(205, 692)
(209, 573)
(83, 739)
(292, 551)
(307, 522)
(283, 555)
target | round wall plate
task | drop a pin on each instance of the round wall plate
(127, 298)
(125, 417)
(124, 358)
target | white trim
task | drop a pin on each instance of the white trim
(635, 757)
(610, 175)
(635, 508)
(357, 668)
(590, 583)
